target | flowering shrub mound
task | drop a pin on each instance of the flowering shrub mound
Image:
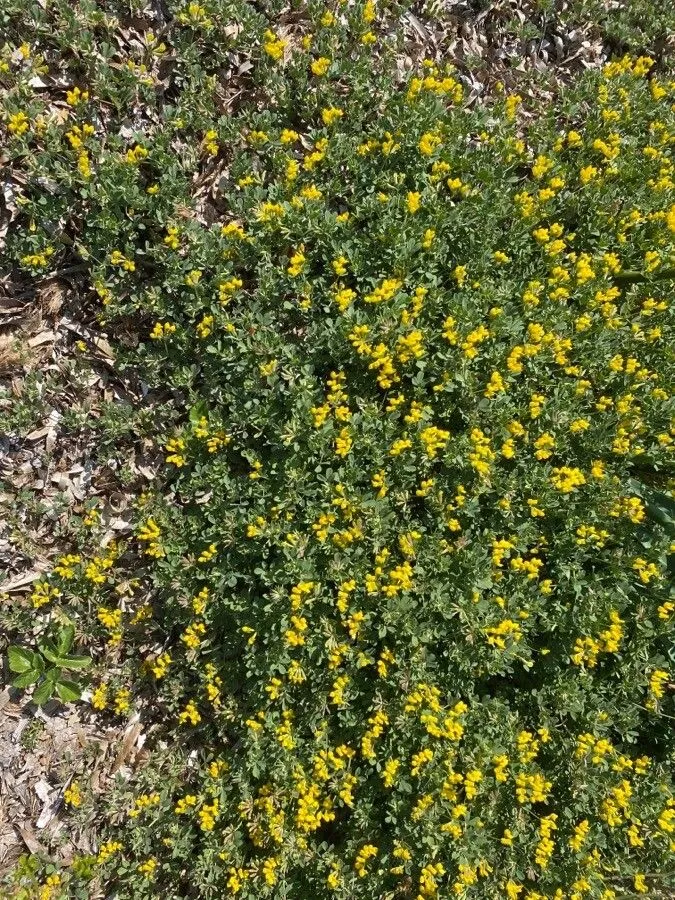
(410, 632)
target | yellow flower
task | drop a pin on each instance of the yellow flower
(208, 814)
(640, 884)
(433, 440)
(320, 66)
(460, 275)
(207, 554)
(190, 714)
(18, 123)
(386, 290)
(297, 262)
(567, 479)
(122, 701)
(340, 265)
(73, 795)
(423, 758)
(119, 259)
(495, 386)
(343, 443)
(331, 114)
(273, 45)
(366, 853)
(428, 238)
(587, 174)
(160, 666)
(43, 593)
(544, 446)
(162, 330)
(429, 143)
(269, 871)
(511, 105)
(193, 634)
(106, 850)
(185, 804)
(541, 166)
(99, 698)
(147, 868)
(657, 681)
(579, 836)
(413, 202)
(670, 218)
(135, 155)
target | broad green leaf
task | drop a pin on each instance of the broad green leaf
(66, 637)
(26, 679)
(20, 660)
(49, 653)
(43, 692)
(68, 690)
(74, 662)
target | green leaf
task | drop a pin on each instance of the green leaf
(20, 660)
(49, 654)
(197, 411)
(28, 678)
(69, 662)
(660, 507)
(68, 690)
(631, 277)
(74, 662)
(66, 638)
(43, 692)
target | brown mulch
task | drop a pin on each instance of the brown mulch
(42, 751)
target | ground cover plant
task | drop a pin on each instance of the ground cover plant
(399, 605)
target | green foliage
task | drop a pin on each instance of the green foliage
(45, 667)
(637, 26)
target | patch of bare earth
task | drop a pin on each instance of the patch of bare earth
(57, 374)
(42, 751)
